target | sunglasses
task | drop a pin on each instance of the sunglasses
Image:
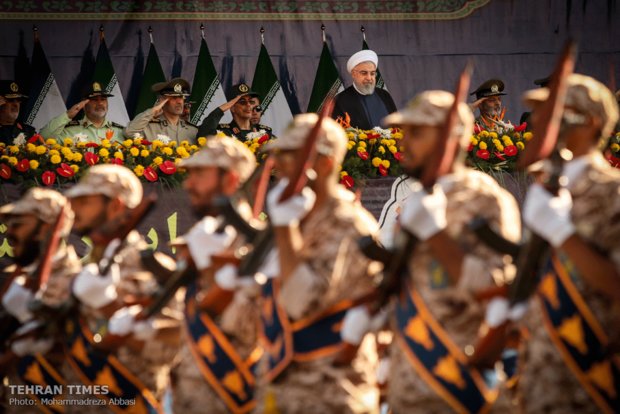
(257, 109)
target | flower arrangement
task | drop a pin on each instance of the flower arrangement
(371, 154)
(53, 161)
(254, 141)
(613, 150)
(499, 149)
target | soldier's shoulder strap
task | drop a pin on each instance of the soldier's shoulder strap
(115, 125)
(265, 127)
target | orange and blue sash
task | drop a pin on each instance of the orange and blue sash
(304, 340)
(35, 370)
(229, 375)
(437, 359)
(126, 393)
(578, 336)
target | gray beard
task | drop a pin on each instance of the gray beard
(365, 89)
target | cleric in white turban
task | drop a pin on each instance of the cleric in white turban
(363, 102)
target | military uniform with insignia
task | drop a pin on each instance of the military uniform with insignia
(570, 361)
(490, 89)
(163, 126)
(30, 303)
(10, 127)
(437, 315)
(211, 124)
(84, 129)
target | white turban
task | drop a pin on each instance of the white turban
(362, 56)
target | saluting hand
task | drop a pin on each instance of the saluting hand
(159, 106)
(225, 107)
(73, 111)
(476, 104)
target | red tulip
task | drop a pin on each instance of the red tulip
(347, 181)
(511, 150)
(398, 156)
(383, 171)
(168, 167)
(363, 155)
(116, 161)
(5, 171)
(263, 139)
(146, 142)
(521, 128)
(484, 154)
(92, 145)
(91, 158)
(65, 170)
(48, 178)
(150, 174)
(23, 165)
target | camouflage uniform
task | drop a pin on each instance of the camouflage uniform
(192, 393)
(339, 272)
(45, 204)
(469, 193)
(151, 361)
(547, 384)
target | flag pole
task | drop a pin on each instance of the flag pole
(202, 30)
(35, 32)
(101, 34)
(150, 30)
(323, 32)
(262, 35)
(363, 30)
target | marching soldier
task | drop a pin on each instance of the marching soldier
(11, 99)
(321, 271)
(216, 361)
(112, 289)
(93, 126)
(437, 315)
(34, 298)
(568, 364)
(165, 120)
(242, 104)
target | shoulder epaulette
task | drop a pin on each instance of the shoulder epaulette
(220, 126)
(114, 124)
(73, 122)
(265, 127)
(155, 121)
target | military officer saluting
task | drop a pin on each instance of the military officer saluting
(242, 103)
(10, 102)
(93, 126)
(165, 118)
(489, 103)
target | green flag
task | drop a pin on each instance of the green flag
(327, 81)
(105, 75)
(276, 111)
(153, 73)
(379, 78)
(207, 93)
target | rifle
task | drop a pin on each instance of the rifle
(535, 248)
(397, 260)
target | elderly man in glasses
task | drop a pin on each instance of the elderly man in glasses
(364, 103)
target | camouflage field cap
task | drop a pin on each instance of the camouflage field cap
(113, 181)
(585, 95)
(431, 108)
(332, 140)
(223, 152)
(43, 203)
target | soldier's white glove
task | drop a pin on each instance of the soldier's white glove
(357, 322)
(424, 214)
(548, 215)
(226, 277)
(16, 300)
(499, 311)
(95, 290)
(30, 345)
(291, 211)
(123, 322)
(204, 241)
